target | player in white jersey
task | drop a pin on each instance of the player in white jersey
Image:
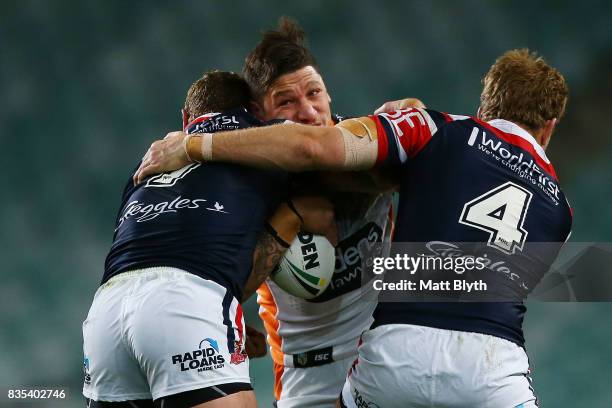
(314, 342)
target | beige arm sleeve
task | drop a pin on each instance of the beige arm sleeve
(360, 143)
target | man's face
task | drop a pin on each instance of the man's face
(299, 96)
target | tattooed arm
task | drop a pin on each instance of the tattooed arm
(314, 214)
(268, 253)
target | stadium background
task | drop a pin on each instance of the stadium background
(86, 86)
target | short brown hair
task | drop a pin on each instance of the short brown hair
(216, 91)
(279, 52)
(522, 88)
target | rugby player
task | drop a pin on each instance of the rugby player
(166, 328)
(461, 179)
(314, 342)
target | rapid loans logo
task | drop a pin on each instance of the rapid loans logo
(206, 357)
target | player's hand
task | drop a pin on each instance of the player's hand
(255, 344)
(399, 104)
(318, 216)
(163, 155)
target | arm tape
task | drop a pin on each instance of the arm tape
(359, 152)
(198, 147)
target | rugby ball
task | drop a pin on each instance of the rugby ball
(306, 268)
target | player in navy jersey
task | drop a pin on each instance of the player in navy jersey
(483, 179)
(313, 342)
(166, 326)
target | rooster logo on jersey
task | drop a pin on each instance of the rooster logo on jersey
(239, 355)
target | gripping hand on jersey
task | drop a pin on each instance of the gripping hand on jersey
(163, 156)
(400, 104)
(308, 213)
(318, 216)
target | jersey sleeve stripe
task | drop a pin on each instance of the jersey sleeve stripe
(457, 117)
(238, 321)
(231, 337)
(200, 119)
(424, 133)
(447, 118)
(383, 143)
(411, 128)
(402, 134)
(443, 117)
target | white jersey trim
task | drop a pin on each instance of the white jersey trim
(509, 127)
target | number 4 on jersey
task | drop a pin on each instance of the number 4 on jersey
(500, 212)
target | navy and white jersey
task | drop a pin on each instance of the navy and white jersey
(463, 180)
(204, 218)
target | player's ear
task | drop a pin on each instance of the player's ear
(547, 131)
(185, 117)
(256, 109)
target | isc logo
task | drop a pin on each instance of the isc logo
(322, 357)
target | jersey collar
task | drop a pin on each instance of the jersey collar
(509, 127)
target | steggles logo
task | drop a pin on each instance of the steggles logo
(146, 212)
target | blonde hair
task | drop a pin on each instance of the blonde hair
(522, 88)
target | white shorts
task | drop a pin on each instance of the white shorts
(405, 366)
(161, 331)
(313, 387)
